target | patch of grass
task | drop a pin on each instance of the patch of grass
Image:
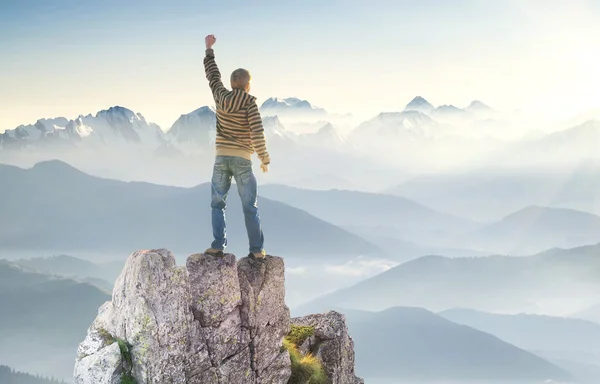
(306, 369)
(299, 333)
(125, 353)
(127, 379)
(126, 376)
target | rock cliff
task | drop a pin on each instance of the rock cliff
(214, 321)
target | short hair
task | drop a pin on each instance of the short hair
(240, 78)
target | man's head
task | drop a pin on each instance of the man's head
(240, 79)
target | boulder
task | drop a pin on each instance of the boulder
(332, 344)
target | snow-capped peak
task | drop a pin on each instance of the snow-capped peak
(49, 125)
(273, 126)
(119, 114)
(121, 123)
(35, 132)
(77, 128)
(206, 110)
(289, 106)
(196, 127)
(275, 102)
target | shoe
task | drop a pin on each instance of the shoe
(214, 252)
(258, 255)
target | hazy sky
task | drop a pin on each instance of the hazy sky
(66, 57)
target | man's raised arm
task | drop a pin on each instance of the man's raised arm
(212, 71)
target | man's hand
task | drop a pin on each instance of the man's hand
(210, 41)
(264, 167)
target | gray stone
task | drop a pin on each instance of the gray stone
(103, 366)
(332, 344)
(215, 321)
(215, 302)
(150, 310)
(265, 314)
(214, 288)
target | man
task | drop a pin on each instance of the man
(239, 134)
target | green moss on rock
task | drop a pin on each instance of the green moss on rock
(299, 333)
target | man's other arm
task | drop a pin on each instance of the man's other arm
(257, 134)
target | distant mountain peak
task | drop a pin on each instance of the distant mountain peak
(202, 111)
(205, 109)
(328, 127)
(274, 102)
(290, 101)
(411, 115)
(478, 106)
(116, 110)
(196, 127)
(448, 107)
(536, 211)
(449, 110)
(273, 126)
(289, 104)
(272, 119)
(419, 104)
(54, 165)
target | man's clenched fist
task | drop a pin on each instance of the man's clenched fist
(210, 41)
(264, 167)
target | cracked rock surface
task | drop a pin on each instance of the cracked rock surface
(213, 321)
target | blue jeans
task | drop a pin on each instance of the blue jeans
(225, 168)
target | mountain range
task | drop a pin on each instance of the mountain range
(488, 193)
(405, 228)
(572, 344)
(60, 206)
(544, 283)
(101, 274)
(53, 206)
(118, 126)
(535, 229)
(43, 319)
(387, 149)
(538, 333)
(412, 344)
(418, 124)
(418, 120)
(400, 226)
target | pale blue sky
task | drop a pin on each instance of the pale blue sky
(66, 57)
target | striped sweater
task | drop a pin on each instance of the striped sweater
(240, 131)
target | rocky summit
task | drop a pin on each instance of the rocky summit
(214, 321)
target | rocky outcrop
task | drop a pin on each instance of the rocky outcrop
(214, 321)
(332, 344)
